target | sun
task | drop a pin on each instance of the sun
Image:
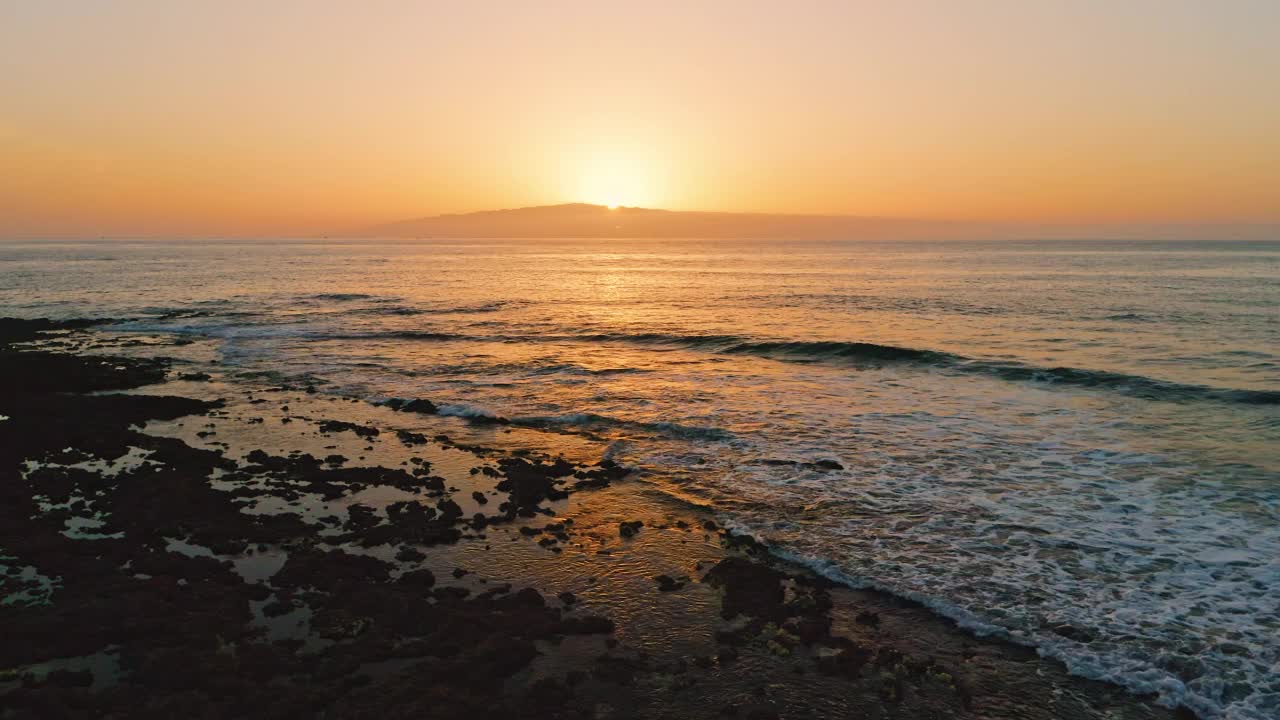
(613, 177)
(614, 188)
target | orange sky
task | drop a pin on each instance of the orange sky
(248, 118)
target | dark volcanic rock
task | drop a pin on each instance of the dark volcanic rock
(411, 438)
(409, 554)
(181, 626)
(333, 426)
(529, 484)
(425, 407)
(422, 578)
(603, 473)
(332, 570)
(666, 583)
(750, 588)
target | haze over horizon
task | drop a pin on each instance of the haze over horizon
(585, 220)
(148, 119)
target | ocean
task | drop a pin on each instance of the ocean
(1075, 445)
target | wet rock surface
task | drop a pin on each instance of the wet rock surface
(146, 576)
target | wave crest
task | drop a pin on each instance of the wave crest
(585, 421)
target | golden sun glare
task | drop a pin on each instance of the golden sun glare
(614, 177)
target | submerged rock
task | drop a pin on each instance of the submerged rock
(426, 407)
(666, 583)
(333, 426)
(629, 528)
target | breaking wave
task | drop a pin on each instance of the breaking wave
(873, 353)
(586, 421)
(812, 351)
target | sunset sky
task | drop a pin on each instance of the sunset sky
(263, 118)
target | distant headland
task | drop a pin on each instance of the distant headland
(584, 220)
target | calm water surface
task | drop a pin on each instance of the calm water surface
(1074, 444)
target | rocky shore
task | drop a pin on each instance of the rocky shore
(179, 542)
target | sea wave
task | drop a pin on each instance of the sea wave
(863, 352)
(1135, 385)
(477, 308)
(1129, 317)
(402, 335)
(830, 351)
(586, 421)
(341, 297)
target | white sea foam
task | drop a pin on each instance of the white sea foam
(1172, 577)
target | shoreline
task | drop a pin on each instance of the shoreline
(265, 551)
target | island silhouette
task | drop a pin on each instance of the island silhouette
(585, 220)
